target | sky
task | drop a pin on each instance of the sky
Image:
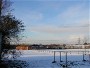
(53, 21)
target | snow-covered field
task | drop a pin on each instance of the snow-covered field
(44, 58)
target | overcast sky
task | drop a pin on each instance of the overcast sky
(57, 21)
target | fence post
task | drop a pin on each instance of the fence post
(60, 57)
(54, 58)
(89, 58)
(83, 57)
(66, 59)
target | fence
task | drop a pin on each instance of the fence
(64, 54)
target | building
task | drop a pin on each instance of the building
(23, 47)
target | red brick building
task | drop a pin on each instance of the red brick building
(23, 47)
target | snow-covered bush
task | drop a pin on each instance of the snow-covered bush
(10, 54)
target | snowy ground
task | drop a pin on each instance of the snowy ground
(44, 59)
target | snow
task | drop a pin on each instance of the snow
(44, 58)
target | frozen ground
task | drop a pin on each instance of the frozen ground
(44, 59)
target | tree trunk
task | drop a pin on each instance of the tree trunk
(0, 45)
(0, 27)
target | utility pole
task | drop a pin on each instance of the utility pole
(79, 41)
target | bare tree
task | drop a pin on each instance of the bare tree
(9, 25)
(5, 7)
